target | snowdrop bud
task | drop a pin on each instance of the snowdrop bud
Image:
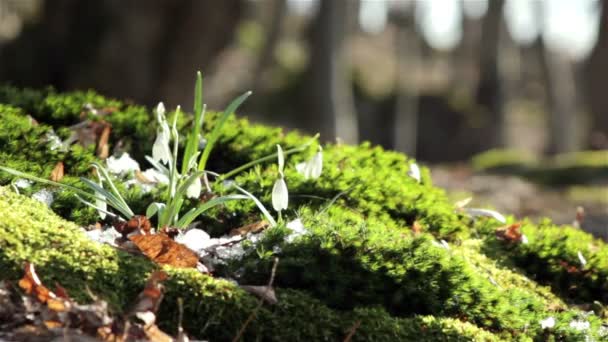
(160, 150)
(281, 158)
(280, 196)
(194, 190)
(160, 110)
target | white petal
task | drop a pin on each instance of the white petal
(414, 172)
(486, 212)
(45, 196)
(317, 165)
(280, 195)
(160, 109)
(297, 229)
(547, 323)
(122, 165)
(281, 159)
(160, 150)
(194, 190)
(156, 176)
(582, 259)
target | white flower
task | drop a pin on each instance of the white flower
(156, 176)
(312, 168)
(160, 150)
(122, 165)
(45, 196)
(194, 190)
(414, 172)
(297, 229)
(580, 325)
(280, 195)
(582, 259)
(547, 323)
(486, 212)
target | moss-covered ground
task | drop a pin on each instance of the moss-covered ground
(359, 262)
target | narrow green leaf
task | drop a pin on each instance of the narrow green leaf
(218, 127)
(259, 204)
(193, 213)
(45, 181)
(192, 139)
(107, 177)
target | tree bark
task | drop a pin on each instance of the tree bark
(330, 88)
(489, 87)
(596, 81)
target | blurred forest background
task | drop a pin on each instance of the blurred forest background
(441, 80)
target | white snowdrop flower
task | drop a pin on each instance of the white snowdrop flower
(414, 172)
(45, 196)
(580, 325)
(524, 239)
(280, 195)
(486, 212)
(547, 323)
(297, 229)
(23, 183)
(194, 190)
(160, 150)
(195, 239)
(582, 259)
(312, 168)
(122, 165)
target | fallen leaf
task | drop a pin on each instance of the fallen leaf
(142, 178)
(149, 299)
(163, 250)
(57, 173)
(32, 285)
(103, 149)
(510, 233)
(463, 203)
(250, 228)
(137, 222)
(416, 227)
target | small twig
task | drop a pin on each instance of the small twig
(351, 331)
(260, 302)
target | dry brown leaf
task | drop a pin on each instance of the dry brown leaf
(510, 233)
(250, 228)
(416, 227)
(57, 173)
(163, 250)
(142, 178)
(103, 149)
(136, 222)
(32, 285)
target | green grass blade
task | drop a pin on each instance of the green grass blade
(192, 140)
(218, 128)
(96, 207)
(111, 199)
(193, 213)
(259, 204)
(45, 181)
(267, 158)
(114, 189)
(158, 166)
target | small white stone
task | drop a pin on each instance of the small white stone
(195, 239)
(45, 196)
(524, 239)
(297, 229)
(547, 323)
(580, 325)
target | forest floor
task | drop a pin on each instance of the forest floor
(516, 196)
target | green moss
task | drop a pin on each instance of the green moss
(359, 262)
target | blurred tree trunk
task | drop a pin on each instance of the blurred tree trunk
(272, 34)
(596, 79)
(558, 77)
(489, 87)
(330, 88)
(142, 50)
(408, 60)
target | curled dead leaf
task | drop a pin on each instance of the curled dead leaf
(58, 172)
(137, 222)
(163, 250)
(103, 149)
(250, 228)
(416, 227)
(32, 285)
(510, 233)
